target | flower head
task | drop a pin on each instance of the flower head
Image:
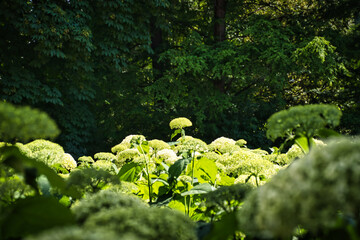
(180, 123)
(168, 156)
(158, 144)
(105, 156)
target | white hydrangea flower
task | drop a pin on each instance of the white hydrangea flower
(168, 155)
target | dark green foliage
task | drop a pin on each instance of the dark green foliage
(146, 223)
(91, 180)
(77, 233)
(33, 215)
(104, 70)
(227, 198)
(103, 200)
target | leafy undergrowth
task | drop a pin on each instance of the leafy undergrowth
(185, 188)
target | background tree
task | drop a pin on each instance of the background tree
(107, 69)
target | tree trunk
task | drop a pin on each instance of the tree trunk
(219, 20)
(219, 34)
(156, 45)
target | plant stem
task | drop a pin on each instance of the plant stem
(192, 179)
(192, 167)
(147, 173)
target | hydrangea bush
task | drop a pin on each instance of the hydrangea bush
(312, 193)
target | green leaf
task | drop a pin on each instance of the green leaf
(206, 170)
(326, 133)
(176, 132)
(129, 172)
(144, 147)
(176, 169)
(199, 189)
(224, 228)
(302, 142)
(159, 180)
(35, 214)
(225, 180)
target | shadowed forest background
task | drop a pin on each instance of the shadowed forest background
(106, 69)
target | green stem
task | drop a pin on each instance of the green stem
(192, 179)
(192, 167)
(147, 173)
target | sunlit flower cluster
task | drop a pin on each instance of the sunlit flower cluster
(224, 145)
(180, 123)
(51, 154)
(158, 144)
(168, 156)
(241, 142)
(120, 147)
(132, 138)
(294, 152)
(127, 155)
(67, 161)
(105, 156)
(104, 165)
(194, 144)
(86, 159)
(244, 162)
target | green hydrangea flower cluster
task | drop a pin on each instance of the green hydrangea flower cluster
(24, 123)
(227, 198)
(126, 156)
(105, 156)
(104, 199)
(120, 147)
(310, 193)
(244, 162)
(51, 154)
(149, 223)
(78, 233)
(224, 145)
(302, 120)
(13, 188)
(91, 179)
(180, 123)
(133, 138)
(105, 165)
(158, 144)
(194, 144)
(86, 159)
(241, 142)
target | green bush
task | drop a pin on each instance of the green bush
(311, 193)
